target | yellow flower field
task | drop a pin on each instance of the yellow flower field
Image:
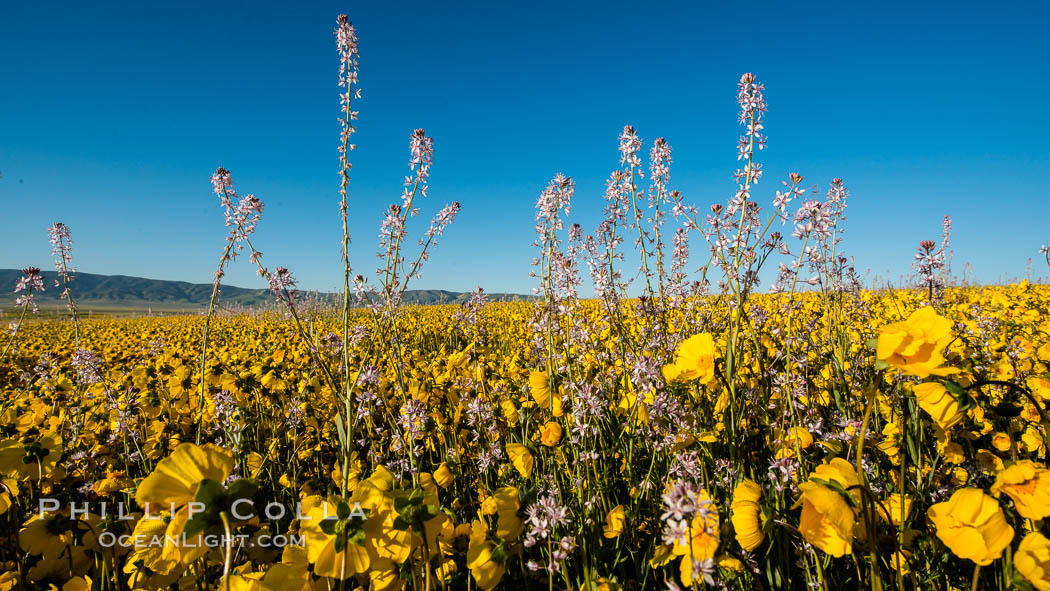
(672, 426)
(898, 456)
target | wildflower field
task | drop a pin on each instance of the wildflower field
(682, 428)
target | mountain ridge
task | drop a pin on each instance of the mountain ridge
(125, 291)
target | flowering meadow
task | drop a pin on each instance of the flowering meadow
(683, 428)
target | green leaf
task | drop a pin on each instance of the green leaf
(328, 525)
(428, 512)
(342, 510)
(954, 388)
(404, 572)
(400, 504)
(499, 553)
(880, 365)
(417, 496)
(243, 488)
(1021, 583)
(340, 430)
(401, 523)
(196, 525)
(358, 538)
(209, 492)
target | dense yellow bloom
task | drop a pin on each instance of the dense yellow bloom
(1032, 439)
(488, 506)
(730, 563)
(349, 559)
(443, 475)
(701, 542)
(33, 458)
(60, 568)
(614, 522)
(551, 434)
(1001, 441)
(686, 573)
(508, 525)
(694, 360)
(915, 346)
(942, 407)
(899, 562)
(1028, 484)
(972, 525)
(1043, 352)
(747, 514)
(485, 563)
(9, 488)
(167, 557)
(244, 582)
(953, 453)
(990, 462)
(1032, 560)
(521, 458)
(828, 517)
(446, 569)
(792, 440)
(114, 482)
(481, 395)
(510, 412)
(1003, 371)
(292, 573)
(41, 536)
(895, 509)
(1040, 386)
(78, 584)
(175, 479)
(539, 385)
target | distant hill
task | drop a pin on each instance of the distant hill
(107, 292)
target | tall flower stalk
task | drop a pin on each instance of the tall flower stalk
(241, 219)
(346, 43)
(62, 250)
(30, 281)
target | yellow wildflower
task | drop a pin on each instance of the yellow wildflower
(1028, 484)
(915, 345)
(972, 525)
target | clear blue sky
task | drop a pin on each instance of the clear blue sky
(113, 116)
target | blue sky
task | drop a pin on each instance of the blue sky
(113, 116)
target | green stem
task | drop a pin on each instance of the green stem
(229, 551)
